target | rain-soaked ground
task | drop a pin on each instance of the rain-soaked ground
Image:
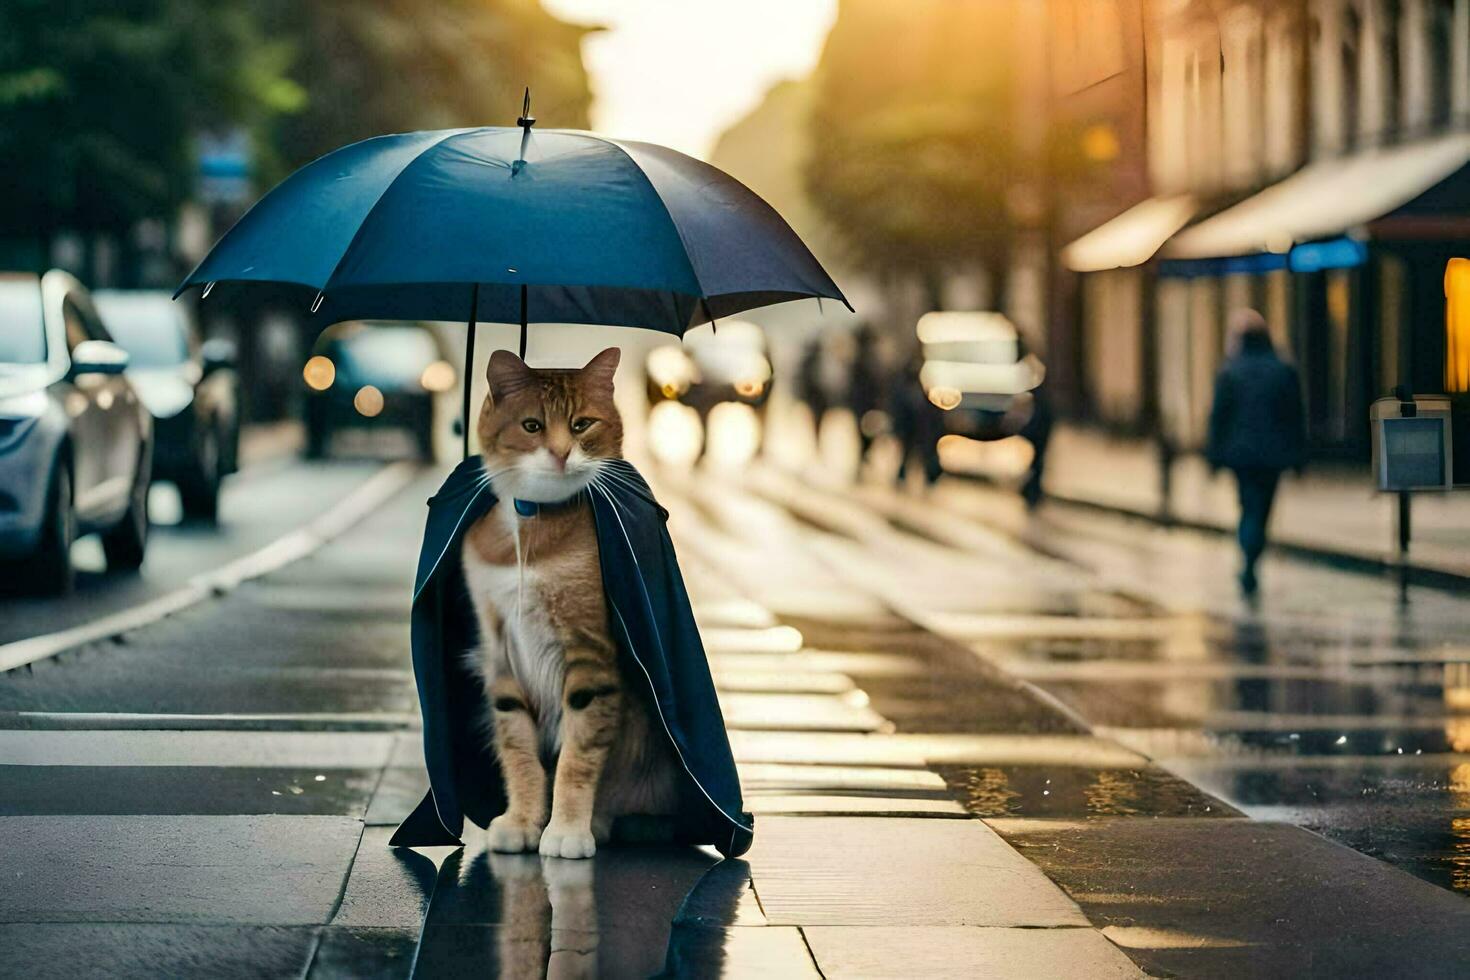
(976, 743)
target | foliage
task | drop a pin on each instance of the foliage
(376, 66)
(100, 101)
(913, 146)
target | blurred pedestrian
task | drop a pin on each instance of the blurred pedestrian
(918, 424)
(865, 389)
(1257, 430)
(810, 387)
(1036, 431)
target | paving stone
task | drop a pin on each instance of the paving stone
(966, 953)
(758, 776)
(517, 915)
(398, 793)
(843, 871)
(731, 613)
(364, 954)
(388, 886)
(1411, 811)
(869, 664)
(148, 951)
(183, 790)
(723, 897)
(785, 681)
(773, 951)
(840, 748)
(300, 750)
(255, 870)
(800, 712)
(771, 639)
(1065, 791)
(854, 803)
(634, 886)
(1233, 898)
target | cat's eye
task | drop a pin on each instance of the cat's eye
(582, 424)
(531, 425)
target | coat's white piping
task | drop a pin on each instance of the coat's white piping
(656, 706)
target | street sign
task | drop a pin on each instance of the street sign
(1412, 443)
(224, 167)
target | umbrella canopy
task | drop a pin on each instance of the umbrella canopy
(486, 225)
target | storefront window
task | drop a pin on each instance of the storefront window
(1339, 311)
(1457, 326)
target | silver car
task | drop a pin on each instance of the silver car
(75, 440)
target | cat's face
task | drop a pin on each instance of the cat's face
(545, 433)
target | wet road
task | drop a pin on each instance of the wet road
(273, 495)
(976, 744)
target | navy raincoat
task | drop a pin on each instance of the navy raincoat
(652, 623)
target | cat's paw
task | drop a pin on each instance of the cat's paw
(568, 841)
(511, 835)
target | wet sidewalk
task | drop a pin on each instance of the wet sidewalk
(1331, 510)
(213, 795)
(958, 630)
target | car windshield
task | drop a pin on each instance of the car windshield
(376, 355)
(22, 330)
(149, 326)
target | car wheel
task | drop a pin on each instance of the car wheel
(425, 439)
(51, 571)
(124, 544)
(199, 491)
(318, 438)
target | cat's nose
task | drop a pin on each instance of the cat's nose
(560, 459)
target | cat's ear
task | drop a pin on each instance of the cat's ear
(600, 370)
(507, 374)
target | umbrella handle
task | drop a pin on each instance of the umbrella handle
(524, 329)
(469, 367)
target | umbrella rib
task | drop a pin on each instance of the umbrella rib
(326, 286)
(683, 243)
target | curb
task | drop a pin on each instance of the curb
(290, 547)
(1415, 574)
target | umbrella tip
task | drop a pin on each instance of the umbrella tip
(526, 120)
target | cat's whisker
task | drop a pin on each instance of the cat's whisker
(612, 501)
(622, 483)
(608, 473)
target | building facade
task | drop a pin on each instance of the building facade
(1310, 158)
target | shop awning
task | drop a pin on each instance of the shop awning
(1132, 237)
(1400, 191)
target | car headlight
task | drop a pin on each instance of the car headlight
(368, 401)
(319, 373)
(438, 376)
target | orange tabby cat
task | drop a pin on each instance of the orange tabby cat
(558, 697)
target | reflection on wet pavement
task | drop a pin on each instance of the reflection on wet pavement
(519, 915)
(1006, 791)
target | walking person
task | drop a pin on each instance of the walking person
(1257, 430)
(810, 385)
(917, 424)
(865, 389)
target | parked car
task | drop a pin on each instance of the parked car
(76, 441)
(367, 375)
(189, 386)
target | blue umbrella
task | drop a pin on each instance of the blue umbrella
(493, 224)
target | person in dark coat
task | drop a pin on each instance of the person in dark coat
(1257, 430)
(809, 387)
(865, 388)
(917, 424)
